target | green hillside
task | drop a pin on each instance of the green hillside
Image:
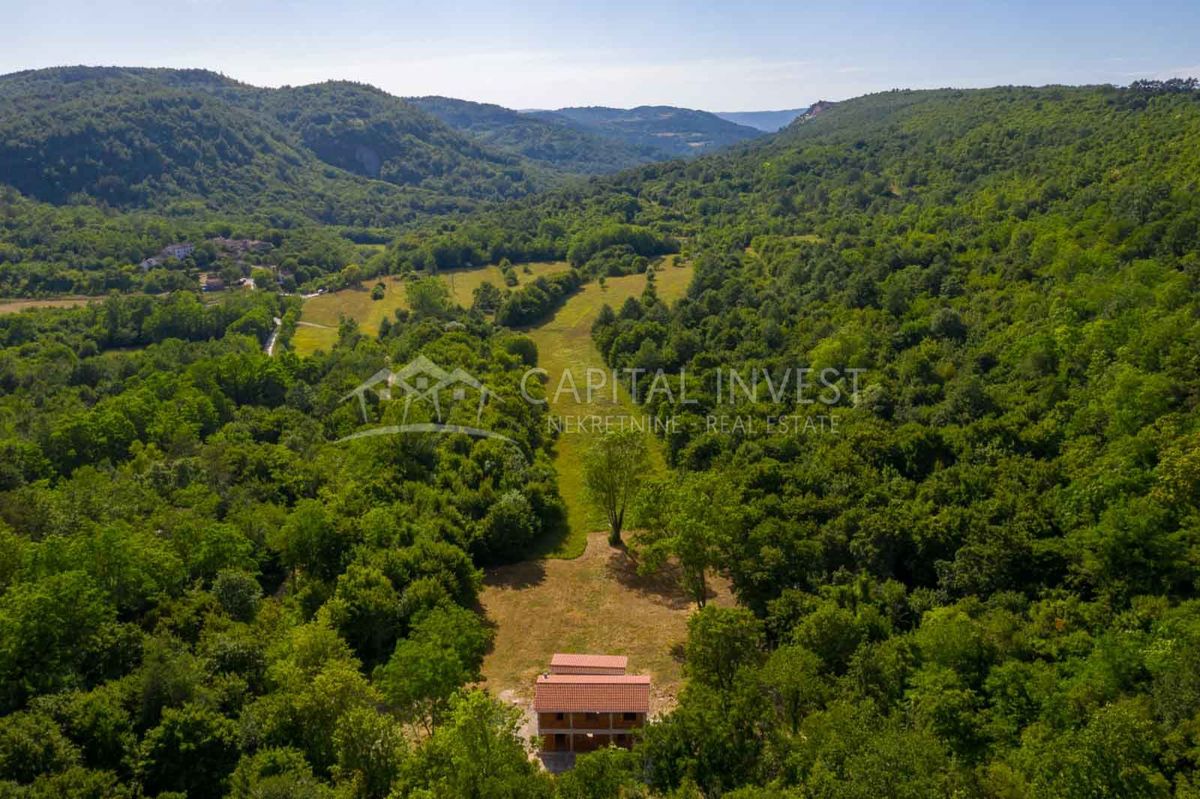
(554, 143)
(138, 138)
(990, 569)
(369, 132)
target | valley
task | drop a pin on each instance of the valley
(231, 564)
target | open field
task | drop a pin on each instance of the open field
(565, 342)
(356, 303)
(594, 603)
(16, 305)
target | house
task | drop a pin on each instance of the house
(211, 281)
(179, 251)
(176, 251)
(586, 702)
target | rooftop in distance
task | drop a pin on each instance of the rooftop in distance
(564, 663)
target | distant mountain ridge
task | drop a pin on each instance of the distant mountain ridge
(554, 143)
(669, 130)
(766, 121)
(338, 152)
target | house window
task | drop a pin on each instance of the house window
(630, 716)
(559, 716)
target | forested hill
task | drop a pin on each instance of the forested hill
(554, 143)
(168, 139)
(917, 164)
(986, 582)
(672, 131)
(152, 137)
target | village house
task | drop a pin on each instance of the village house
(211, 281)
(176, 251)
(586, 702)
(179, 251)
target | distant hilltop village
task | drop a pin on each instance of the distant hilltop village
(234, 255)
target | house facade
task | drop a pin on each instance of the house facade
(586, 702)
(179, 251)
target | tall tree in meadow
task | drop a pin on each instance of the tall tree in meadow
(613, 469)
(686, 518)
(428, 296)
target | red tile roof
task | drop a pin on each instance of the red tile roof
(592, 693)
(563, 663)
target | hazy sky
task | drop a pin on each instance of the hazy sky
(726, 56)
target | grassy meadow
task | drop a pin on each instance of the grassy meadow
(565, 342)
(319, 320)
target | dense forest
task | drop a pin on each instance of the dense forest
(192, 568)
(983, 585)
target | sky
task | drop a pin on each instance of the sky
(719, 56)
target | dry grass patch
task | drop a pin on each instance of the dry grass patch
(16, 305)
(594, 603)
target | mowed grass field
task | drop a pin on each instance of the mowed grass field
(564, 343)
(594, 603)
(320, 316)
(16, 305)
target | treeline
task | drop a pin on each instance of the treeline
(534, 302)
(642, 241)
(47, 250)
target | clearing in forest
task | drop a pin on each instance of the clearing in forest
(15, 305)
(324, 312)
(565, 342)
(576, 593)
(594, 603)
(579, 594)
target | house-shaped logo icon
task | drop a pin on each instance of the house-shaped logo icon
(422, 380)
